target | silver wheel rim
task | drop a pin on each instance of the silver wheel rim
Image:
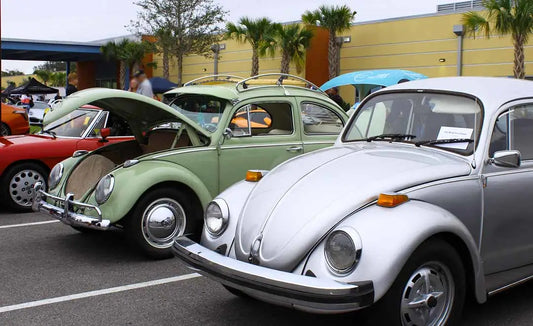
(162, 221)
(428, 296)
(21, 184)
(4, 131)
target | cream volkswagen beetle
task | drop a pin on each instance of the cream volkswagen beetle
(423, 201)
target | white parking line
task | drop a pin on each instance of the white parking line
(26, 224)
(95, 293)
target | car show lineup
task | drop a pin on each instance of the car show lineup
(405, 207)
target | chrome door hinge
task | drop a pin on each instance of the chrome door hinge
(484, 181)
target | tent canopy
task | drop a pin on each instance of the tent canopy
(33, 87)
(161, 85)
(7, 91)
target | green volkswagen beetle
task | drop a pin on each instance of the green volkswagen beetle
(184, 153)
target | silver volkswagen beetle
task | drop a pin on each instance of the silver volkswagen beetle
(423, 201)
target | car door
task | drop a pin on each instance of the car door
(507, 240)
(320, 124)
(263, 134)
(120, 131)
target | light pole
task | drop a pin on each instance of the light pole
(459, 30)
(216, 50)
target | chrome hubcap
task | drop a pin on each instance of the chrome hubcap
(21, 184)
(428, 296)
(163, 220)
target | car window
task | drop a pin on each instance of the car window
(318, 119)
(519, 121)
(74, 124)
(204, 110)
(262, 119)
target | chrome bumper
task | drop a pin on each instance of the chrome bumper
(300, 292)
(67, 213)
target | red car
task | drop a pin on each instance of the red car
(27, 159)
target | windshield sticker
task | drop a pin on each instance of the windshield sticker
(455, 133)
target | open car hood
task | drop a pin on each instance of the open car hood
(141, 112)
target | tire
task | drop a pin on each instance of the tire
(156, 241)
(444, 269)
(17, 182)
(4, 129)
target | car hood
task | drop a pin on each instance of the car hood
(141, 112)
(294, 205)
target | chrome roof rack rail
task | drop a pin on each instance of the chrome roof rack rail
(244, 84)
(214, 78)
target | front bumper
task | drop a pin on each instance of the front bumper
(300, 292)
(70, 212)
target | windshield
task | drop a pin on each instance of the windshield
(447, 121)
(206, 111)
(73, 124)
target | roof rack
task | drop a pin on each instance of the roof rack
(213, 79)
(245, 84)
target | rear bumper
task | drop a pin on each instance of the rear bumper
(301, 292)
(69, 213)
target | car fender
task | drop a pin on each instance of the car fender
(134, 181)
(235, 197)
(389, 237)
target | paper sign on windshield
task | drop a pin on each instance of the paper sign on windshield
(455, 133)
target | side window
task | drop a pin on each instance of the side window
(262, 119)
(118, 126)
(320, 120)
(98, 126)
(513, 130)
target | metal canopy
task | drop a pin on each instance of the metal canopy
(38, 50)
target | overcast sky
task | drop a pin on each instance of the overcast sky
(89, 20)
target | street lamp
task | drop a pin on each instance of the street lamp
(216, 50)
(459, 30)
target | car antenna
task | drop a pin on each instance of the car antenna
(473, 163)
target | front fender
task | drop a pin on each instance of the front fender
(132, 182)
(389, 237)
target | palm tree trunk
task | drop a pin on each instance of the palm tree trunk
(333, 58)
(519, 60)
(179, 57)
(285, 62)
(166, 70)
(255, 61)
(122, 75)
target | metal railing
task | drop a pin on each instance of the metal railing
(246, 84)
(214, 79)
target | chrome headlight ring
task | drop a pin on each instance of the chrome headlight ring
(342, 250)
(104, 188)
(55, 175)
(216, 217)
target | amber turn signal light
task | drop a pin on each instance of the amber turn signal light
(391, 200)
(254, 175)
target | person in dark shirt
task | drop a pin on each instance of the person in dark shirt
(72, 83)
(333, 94)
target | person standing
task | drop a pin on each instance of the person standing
(333, 94)
(134, 85)
(145, 87)
(72, 83)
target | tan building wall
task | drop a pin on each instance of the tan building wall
(16, 79)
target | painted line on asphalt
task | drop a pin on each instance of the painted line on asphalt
(95, 293)
(9, 226)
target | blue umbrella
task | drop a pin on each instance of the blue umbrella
(365, 80)
(161, 85)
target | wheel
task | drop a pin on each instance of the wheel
(236, 292)
(160, 216)
(4, 129)
(17, 183)
(430, 289)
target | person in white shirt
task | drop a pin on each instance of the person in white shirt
(145, 87)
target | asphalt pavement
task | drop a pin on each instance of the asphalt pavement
(51, 274)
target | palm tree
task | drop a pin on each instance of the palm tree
(504, 17)
(43, 75)
(253, 31)
(293, 40)
(336, 19)
(128, 53)
(164, 44)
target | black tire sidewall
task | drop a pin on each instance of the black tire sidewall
(9, 174)
(3, 125)
(387, 309)
(133, 227)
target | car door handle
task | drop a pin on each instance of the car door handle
(294, 149)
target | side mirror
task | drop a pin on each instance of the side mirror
(104, 133)
(228, 134)
(507, 159)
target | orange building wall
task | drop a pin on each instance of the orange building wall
(86, 74)
(316, 62)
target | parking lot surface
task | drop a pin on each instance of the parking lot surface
(53, 275)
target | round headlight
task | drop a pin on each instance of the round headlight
(343, 251)
(216, 217)
(104, 188)
(55, 176)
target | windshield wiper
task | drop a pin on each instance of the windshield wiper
(392, 137)
(444, 141)
(50, 132)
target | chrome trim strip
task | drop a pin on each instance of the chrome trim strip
(176, 151)
(508, 286)
(260, 145)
